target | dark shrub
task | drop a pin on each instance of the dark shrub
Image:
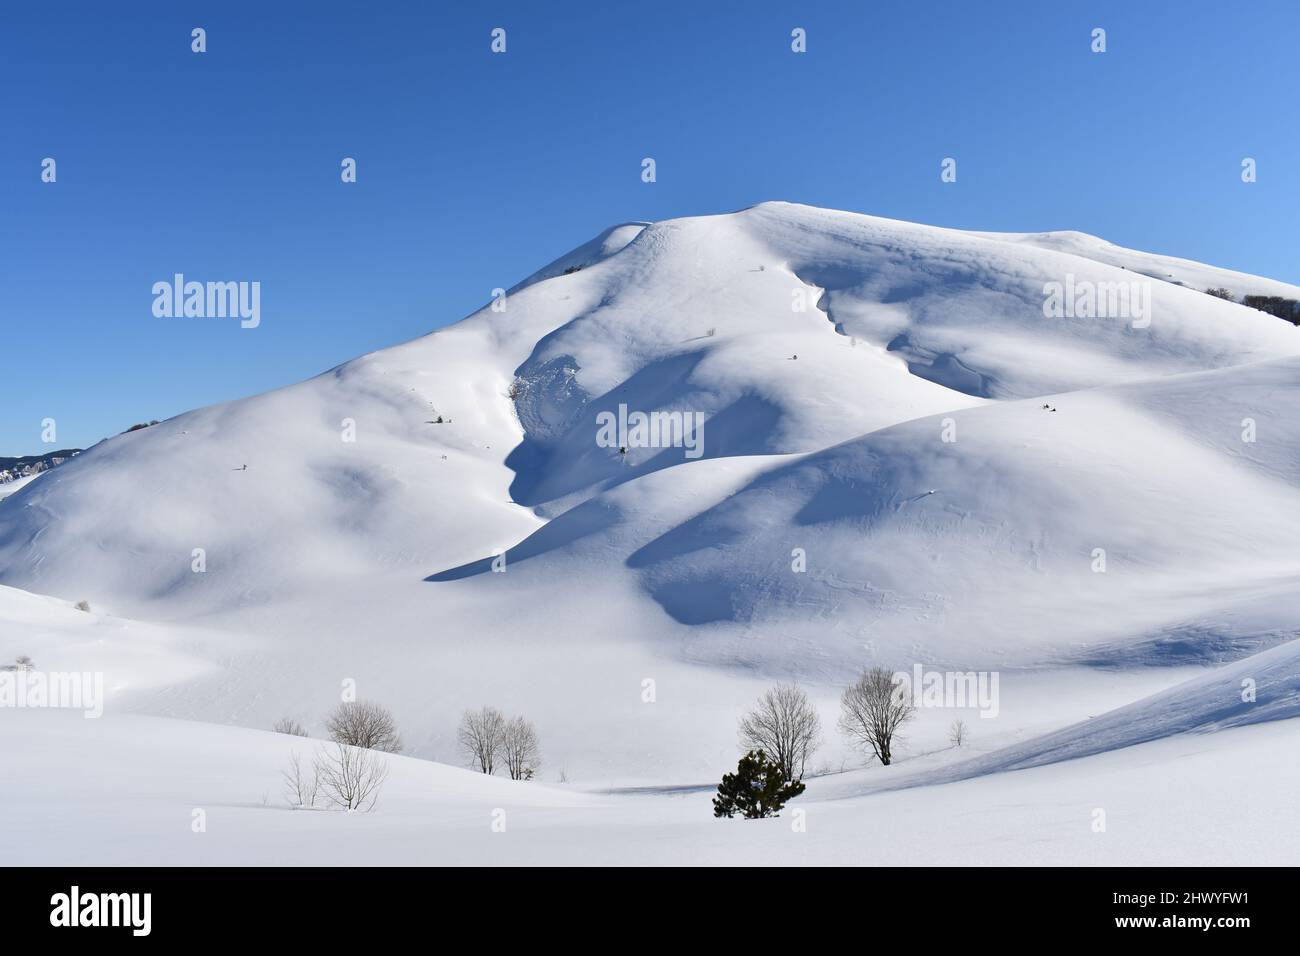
(757, 789)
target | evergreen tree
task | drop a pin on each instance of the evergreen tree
(757, 789)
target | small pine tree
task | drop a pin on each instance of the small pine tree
(757, 789)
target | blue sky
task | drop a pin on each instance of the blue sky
(475, 169)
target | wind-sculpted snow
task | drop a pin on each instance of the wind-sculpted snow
(1259, 689)
(1078, 528)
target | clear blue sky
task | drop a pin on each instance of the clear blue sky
(475, 169)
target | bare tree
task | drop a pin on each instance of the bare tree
(872, 709)
(24, 663)
(287, 725)
(301, 786)
(519, 748)
(364, 724)
(351, 777)
(957, 733)
(785, 726)
(481, 734)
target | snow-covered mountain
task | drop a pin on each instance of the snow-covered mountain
(1042, 454)
(26, 467)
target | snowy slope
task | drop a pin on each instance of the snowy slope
(1261, 689)
(132, 655)
(984, 546)
(1185, 272)
(327, 559)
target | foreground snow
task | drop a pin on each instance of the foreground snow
(125, 791)
(1193, 773)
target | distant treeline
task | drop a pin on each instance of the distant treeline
(1283, 308)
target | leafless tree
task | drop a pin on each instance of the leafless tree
(957, 733)
(785, 726)
(287, 725)
(520, 749)
(301, 785)
(24, 663)
(871, 710)
(351, 777)
(481, 734)
(364, 724)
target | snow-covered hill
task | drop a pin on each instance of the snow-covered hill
(901, 322)
(1044, 455)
